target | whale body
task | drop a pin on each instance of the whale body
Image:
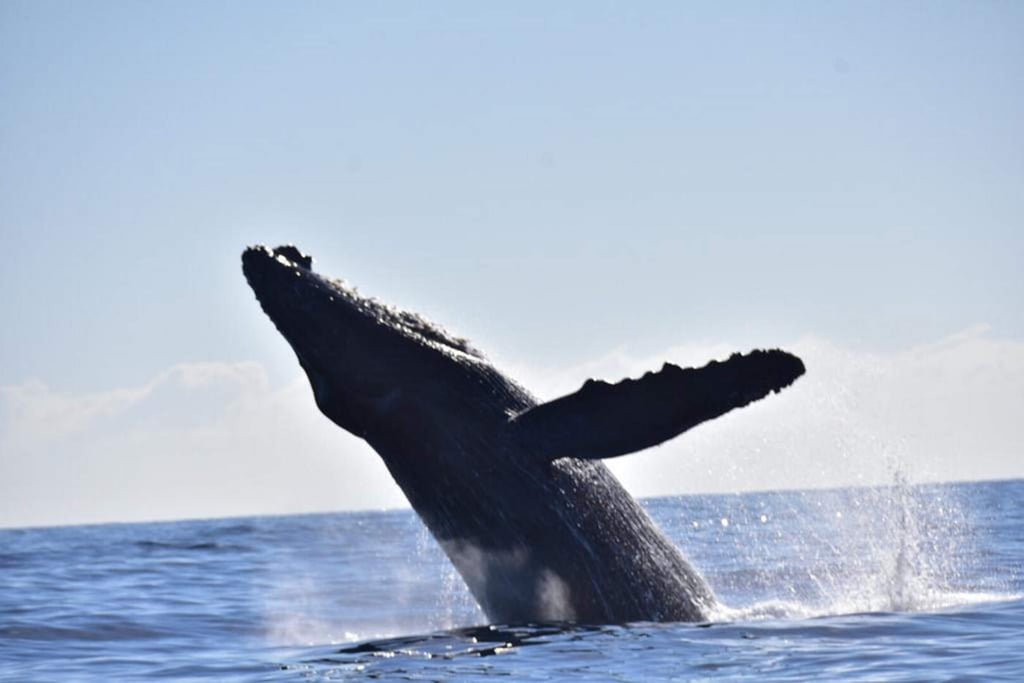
(513, 490)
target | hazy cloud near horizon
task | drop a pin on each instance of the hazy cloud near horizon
(218, 439)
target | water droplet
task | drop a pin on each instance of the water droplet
(764, 519)
(725, 521)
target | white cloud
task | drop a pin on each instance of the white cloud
(199, 440)
(216, 439)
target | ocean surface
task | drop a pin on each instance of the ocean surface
(895, 583)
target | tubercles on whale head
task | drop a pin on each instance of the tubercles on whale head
(291, 253)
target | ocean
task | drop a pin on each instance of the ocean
(896, 583)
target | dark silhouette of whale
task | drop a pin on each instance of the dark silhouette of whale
(512, 489)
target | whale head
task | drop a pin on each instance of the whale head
(364, 359)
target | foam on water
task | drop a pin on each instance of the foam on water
(780, 609)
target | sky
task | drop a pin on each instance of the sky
(587, 189)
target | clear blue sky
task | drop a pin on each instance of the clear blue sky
(553, 181)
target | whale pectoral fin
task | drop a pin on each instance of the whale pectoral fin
(604, 420)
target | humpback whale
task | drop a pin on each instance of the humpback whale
(514, 490)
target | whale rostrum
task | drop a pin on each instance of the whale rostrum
(513, 490)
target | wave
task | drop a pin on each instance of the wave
(786, 609)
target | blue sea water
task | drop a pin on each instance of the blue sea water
(893, 583)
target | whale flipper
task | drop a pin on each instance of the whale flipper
(604, 420)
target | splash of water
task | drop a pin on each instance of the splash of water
(894, 548)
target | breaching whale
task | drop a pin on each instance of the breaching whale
(513, 490)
